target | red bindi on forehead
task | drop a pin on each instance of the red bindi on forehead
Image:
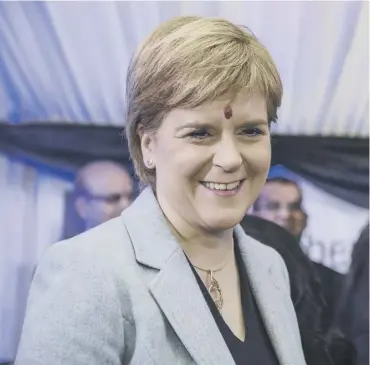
(228, 112)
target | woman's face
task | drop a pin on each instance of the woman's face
(209, 168)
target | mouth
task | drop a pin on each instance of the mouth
(216, 186)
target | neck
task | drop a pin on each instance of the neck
(208, 250)
(205, 248)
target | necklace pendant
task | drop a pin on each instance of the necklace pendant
(214, 288)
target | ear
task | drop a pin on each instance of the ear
(147, 144)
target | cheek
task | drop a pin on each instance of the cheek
(258, 157)
(268, 215)
(181, 160)
(297, 216)
(96, 210)
(106, 208)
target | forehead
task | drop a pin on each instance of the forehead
(109, 182)
(276, 191)
(245, 106)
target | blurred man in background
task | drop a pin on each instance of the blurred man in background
(103, 189)
(280, 202)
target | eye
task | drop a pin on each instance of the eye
(252, 132)
(199, 134)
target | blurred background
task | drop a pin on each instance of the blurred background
(64, 164)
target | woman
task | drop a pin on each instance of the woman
(175, 280)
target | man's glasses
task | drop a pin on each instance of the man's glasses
(113, 198)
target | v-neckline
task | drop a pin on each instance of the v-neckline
(220, 321)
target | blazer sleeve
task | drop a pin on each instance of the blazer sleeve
(73, 313)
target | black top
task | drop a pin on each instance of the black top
(256, 349)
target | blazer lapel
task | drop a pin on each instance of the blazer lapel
(177, 293)
(174, 287)
(269, 299)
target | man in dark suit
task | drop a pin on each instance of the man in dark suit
(280, 202)
(353, 313)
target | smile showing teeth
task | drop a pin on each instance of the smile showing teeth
(217, 186)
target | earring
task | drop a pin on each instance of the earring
(150, 164)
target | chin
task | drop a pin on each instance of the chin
(224, 222)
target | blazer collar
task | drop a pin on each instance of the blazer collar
(151, 236)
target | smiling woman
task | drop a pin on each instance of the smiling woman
(174, 279)
(198, 151)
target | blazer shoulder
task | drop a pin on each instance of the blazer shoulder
(95, 260)
(100, 244)
(79, 298)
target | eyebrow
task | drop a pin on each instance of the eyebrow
(255, 122)
(196, 124)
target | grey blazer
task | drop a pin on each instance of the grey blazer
(123, 293)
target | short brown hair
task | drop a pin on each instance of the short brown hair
(187, 61)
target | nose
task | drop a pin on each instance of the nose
(227, 155)
(283, 213)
